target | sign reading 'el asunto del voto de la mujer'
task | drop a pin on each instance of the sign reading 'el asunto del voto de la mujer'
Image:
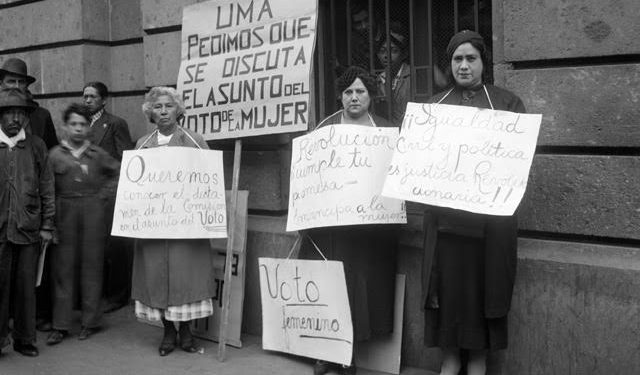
(466, 158)
(305, 309)
(337, 173)
(246, 65)
(171, 192)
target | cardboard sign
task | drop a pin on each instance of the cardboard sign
(171, 192)
(246, 65)
(466, 158)
(337, 174)
(209, 327)
(305, 309)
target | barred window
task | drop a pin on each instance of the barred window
(401, 42)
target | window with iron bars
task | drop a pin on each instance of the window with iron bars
(370, 33)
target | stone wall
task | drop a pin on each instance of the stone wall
(576, 306)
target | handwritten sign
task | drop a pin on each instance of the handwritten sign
(336, 178)
(171, 192)
(245, 66)
(466, 158)
(209, 327)
(305, 309)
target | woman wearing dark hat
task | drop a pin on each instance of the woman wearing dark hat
(368, 252)
(470, 259)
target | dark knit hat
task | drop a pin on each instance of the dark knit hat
(465, 36)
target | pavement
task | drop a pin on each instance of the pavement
(126, 346)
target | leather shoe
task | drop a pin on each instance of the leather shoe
(85, 332)
(56, 336)
(43, 326)
(28, 350)
(166, 347)
(320, 367)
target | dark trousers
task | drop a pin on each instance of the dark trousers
(18, 267)
(77, 261)
(118, 262)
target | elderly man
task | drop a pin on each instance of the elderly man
(111, 133)
(27, 210)
(13, 74)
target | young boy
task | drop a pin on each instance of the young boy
(85, 176)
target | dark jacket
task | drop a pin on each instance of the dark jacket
(40, 124)
(27, 202)
(111, 133)
(97, 178)
(499, 232)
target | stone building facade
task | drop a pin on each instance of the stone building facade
(576, 307)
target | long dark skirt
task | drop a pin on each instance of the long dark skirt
(460, 322)
(369, 257)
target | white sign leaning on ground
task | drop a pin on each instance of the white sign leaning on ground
(246, 66)
(466, 158)
(171, 192)
(305, 309)
(336, 178)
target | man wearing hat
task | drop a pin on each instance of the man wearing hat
(27, 210)
(13, 74)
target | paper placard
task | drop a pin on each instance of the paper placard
(467, 158)
(246, 65)
(305, 309)
(336, 178)
(171, 192)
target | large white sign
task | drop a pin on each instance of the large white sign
(466, 158)
(336, 178)
(305, 309)
(246, 65)
(171, 192)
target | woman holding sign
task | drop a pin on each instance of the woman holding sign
(172, 278)
(368, 252)
(470, 259)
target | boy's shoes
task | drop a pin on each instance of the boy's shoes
(85, 332)
(28, 350)
(56, 336)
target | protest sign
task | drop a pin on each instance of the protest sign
(305, 309)
(336, 178)
(209, 327)
(245, 66)
(466, 158)
(171, 192)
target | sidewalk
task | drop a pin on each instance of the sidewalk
(127, 347)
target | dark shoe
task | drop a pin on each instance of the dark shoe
(43, 326)
(28, 350)
(348, 370)
(169, 339)
(85, 332)
(320, 367)
(166, 347)
(187, 342)
(56, 336)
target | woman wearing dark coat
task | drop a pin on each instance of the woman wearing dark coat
(172, 278)
(368, 252)
(469, 259)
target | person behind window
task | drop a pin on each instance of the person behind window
(392, 53)
(469, 259)
(172, 278)
(368, 252)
